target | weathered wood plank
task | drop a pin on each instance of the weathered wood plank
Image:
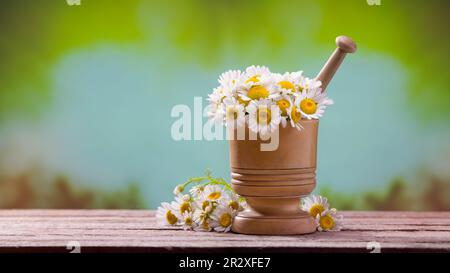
(142, 213)
(136, 230)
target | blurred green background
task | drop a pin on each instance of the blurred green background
(86, 93)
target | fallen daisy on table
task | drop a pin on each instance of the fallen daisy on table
(326, 219)
(329, 220)
(210, 205)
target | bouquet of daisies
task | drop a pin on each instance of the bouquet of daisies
(210, 204)
(263, 100)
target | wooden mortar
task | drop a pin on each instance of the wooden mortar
(273, 182)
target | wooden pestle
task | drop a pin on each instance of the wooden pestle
(344, 45)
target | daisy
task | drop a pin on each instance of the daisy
(187, 220)
(284, 102)
(265, 88)
(223, 218)
(203, 221)
(289, 82)
(235, 202)
(202, 203)
(329, 220)
(295, 117)
(182, 204)
(234, 113)
(230, 79)
(312, 103)
(213, 193)
(254, 73)
(315, 205)
(258, 83)
(197, 190)
(166, 215)
(264, 116)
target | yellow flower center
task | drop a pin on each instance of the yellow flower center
(295, 115)
(214, 195)
(232, 112)
(233, 204)
(254, 79)
(326, 222)
(185, 206)
(308, 106)
(205, 204)
(188, 221)
(171, 218)
(257, 92)
(287, 85)
(284, 105)
(225, 220)
(316, 209)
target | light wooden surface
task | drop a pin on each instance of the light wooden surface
(126, 230)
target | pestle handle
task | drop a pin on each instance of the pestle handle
(344, 45)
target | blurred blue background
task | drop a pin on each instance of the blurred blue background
(86, 94)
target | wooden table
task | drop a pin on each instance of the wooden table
(136, 231)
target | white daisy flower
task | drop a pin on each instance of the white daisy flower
(264, 88)
(223, 218)
(295, 117)
(254, 73)
(312, 103)
(329, 220)
(197, 190)
(235, 202)
(182, 204)
(315, 204)
(214, 193)
(230, 79)
(203, 221)
(289, 82)
(165, 215)
(257, 82)
(234, 113)
(264, 116)
(187, 220)
(284, 102)
(202, 203)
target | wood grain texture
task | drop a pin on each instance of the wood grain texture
(136, 231)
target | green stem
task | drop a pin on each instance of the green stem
(211, 180)
(220, 181)
(194, 180)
